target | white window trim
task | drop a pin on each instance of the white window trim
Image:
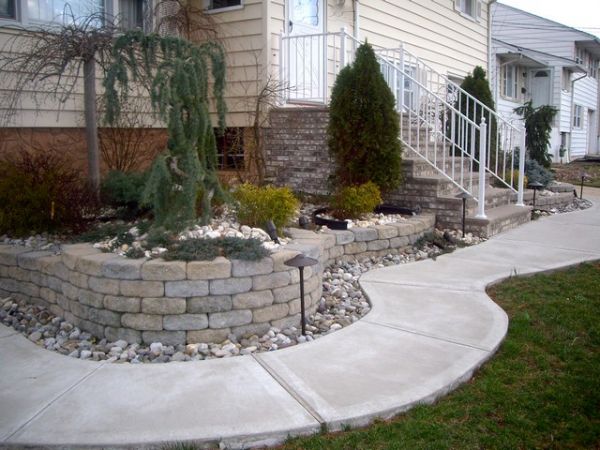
(24, 22)
(476, 10)
(515, 82)
(208, 10)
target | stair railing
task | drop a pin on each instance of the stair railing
(441, 123)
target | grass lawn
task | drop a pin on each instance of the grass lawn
(571, 173)
(541, 390)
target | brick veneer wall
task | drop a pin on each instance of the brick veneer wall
(175, 302)
(296, 149)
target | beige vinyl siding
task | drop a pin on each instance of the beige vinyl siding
(431, 29)
(241, 33)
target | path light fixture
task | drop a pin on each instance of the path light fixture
(464, 196)
(303, 222)
(535, 186)
(272, 231)
(584, 176)
(301, 261)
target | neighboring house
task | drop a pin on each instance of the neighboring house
(452, 36)
(550, 64)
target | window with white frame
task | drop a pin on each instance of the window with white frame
(62, 11)
(132, 14)
(215, 5)
(592, 67)
(577, 115)
(566, 79)
(8, 9)
(509, 81)
(471, 8)
(580, 55)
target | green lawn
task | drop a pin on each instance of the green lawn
(541, 390)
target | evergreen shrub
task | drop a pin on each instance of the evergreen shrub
(208, 249)
(536, 172)
(40, 192)
(351, 202)
(257, 205)
(538, 125)
(123, 191)
(364, 127)
(477, 85)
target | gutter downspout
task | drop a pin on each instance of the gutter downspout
(357, 20)
(489, 36)
(572, 113)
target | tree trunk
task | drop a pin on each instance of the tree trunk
(91, 122)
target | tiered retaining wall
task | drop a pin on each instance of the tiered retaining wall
(175, 302)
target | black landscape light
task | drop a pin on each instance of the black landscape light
(535, 186)
(272, 231)
(301, 261)
(303, 222)
(464, 196)
(584, 176)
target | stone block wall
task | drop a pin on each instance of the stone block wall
(178, 302)
(296, 151)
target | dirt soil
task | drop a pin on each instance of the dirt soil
(571, 173)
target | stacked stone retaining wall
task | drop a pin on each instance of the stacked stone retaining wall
(176, 302)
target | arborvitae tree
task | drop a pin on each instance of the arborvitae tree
(364, 126)
(477, 85)
(538, 125)
(176, 73)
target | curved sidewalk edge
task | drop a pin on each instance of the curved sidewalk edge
(431, 327)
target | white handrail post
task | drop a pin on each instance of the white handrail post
(522, 152)
(401, 81)
(343, 48)
(482, 159)
(325, 69)
(282, 80)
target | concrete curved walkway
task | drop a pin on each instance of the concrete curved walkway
(431, 326)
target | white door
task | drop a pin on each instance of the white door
(307, 50)
(540, 88)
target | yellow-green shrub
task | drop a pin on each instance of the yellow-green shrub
(515, 181)
(257, 205)
(351, 202)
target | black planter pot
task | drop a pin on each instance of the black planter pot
(384, 208)
(332, 224)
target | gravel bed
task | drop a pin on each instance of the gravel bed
(343, 303)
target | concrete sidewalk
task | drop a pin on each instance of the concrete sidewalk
(431, 326)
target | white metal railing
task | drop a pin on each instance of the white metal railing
(441, 123)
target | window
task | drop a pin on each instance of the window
(62, 11)
(509, 81)
(131, 14)
(8, 9)
(471, 8)
(566, 80)
(579, 55)
(577, 114)
(230, 149)
(222, 4)
(592, 67)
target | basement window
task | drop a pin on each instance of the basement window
(230, 149)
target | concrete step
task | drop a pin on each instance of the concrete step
(498, 219)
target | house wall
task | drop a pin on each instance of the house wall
(520, 28)
(433, 30)
(586, 95)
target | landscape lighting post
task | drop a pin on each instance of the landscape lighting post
(300, 261)
(535, 185)
(583, 177)
(464, 196)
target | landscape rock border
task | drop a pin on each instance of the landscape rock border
(174, 302)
